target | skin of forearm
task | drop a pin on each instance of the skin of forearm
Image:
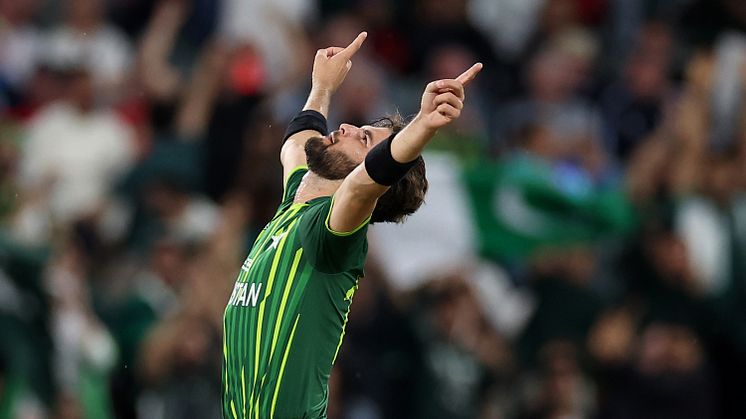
(411, 140)
(319, 100)
(160, 35)
(194, 113)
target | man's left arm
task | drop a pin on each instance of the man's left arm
(356, 198)
(330, 67)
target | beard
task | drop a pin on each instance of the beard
(328, 164)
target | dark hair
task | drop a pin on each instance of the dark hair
(405, 196)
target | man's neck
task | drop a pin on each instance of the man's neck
(313, 186)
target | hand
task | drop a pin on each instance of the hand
(330, 66)
(443, 99)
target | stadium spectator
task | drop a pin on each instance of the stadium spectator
(85, 38)
(73, 153)
(20, 46)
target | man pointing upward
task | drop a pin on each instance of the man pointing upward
(279, 347)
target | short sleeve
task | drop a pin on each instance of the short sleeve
(329, 251)
(291, 186)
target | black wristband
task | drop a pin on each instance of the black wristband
(381, 166)
(306, 120)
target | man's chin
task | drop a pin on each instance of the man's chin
(326, 163)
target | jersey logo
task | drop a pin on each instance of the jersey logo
(276, 240)
(245, 294)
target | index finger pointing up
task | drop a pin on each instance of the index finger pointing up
(355, 45)
(469, 74)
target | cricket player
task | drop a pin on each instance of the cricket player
(285, 319)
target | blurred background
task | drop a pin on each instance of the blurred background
(581, 253)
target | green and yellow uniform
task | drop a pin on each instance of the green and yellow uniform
(285, 319)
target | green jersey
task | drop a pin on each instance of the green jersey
(285, 319)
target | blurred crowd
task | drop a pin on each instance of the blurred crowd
(581, 253)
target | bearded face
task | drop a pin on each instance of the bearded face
(336, 155)
(327, 162)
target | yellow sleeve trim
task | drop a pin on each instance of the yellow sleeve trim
(292, 172)
(343, 233)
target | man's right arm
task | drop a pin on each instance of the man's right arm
(293, 152)
(330, 67)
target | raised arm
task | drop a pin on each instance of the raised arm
(160, 79)
(330, 67)
(441, 103)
